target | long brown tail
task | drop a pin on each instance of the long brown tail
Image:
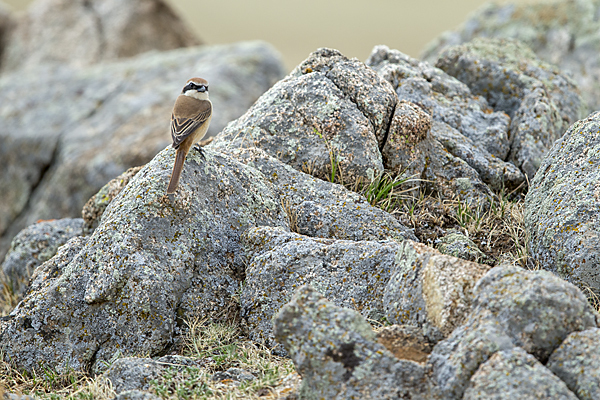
(177, 167)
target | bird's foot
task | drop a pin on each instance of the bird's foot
(198, 148)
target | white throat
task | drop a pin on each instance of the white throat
(197, 95)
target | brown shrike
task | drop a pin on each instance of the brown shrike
(189, 122)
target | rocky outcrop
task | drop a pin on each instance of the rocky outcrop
(512, 309)
(561, 207)
(563, 32)
(98, 31)
(328, 117)
(335, 351)
(517, 320)
(7, 24)
(446, 158)
(541, 101)
(105, 119)
(152, 261)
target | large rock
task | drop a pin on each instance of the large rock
(577, 362)
(35, 245)
(514, 374)
(448, 168)
(512, 308)
(561, 207)
(317, 208)
(335, 351)
(97, 31)
(153, 260)
(351, 274)
(541, 101)
(561, 32)
(100, 121)
(328, 117)
(429, 289)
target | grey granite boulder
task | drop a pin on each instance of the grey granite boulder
(494, 172)
(98, 31)
(335, 351)
(429, 289)
(104, 119)
(541, 101)
(561, 32)
(577, 362)
(35, 245)
(317, 208)
(561, 208)
(512, 308)
(424, 89)
(350, 274)
(152, 261)
(514, 374)
(328, 117)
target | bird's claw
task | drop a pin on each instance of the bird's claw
(198, 148)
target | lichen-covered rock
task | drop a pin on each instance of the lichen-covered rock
(317, 208)
(512, 308)
(34, 245)
(514, 374)
(541, 101)
(350, 274)
(328, 117)
(494, 172)
(428, 288)
(561, 208)
(577, 362)
(443, 97)
(424, 89)
(458, 245)
(561, 32)
(102, 120)
(136, 395)
(99, 30)
(335, 351)
(153, 260)
(95, 206)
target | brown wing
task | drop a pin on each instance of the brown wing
(191, 113)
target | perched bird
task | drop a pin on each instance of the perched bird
(189, 122)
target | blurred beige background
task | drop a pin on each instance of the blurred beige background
(299, 27)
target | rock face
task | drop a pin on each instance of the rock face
(541, 101)
(561, 207)
(98, 31)
(459, 119)
(514, 374)
(351, 274)
(105, 119)
(513, 308)
(328, 117)
(335, 351)
(152, 260)
(564, 33)
(577, 362)
(7, 23)
(35, 245)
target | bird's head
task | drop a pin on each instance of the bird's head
(196, 88)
